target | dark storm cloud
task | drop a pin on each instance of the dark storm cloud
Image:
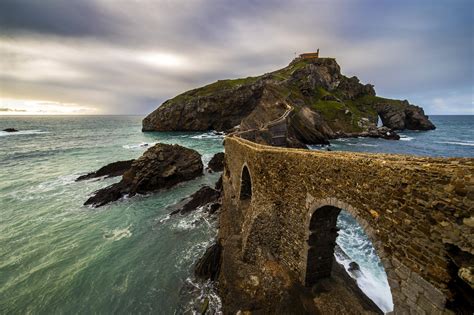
(127, 56)
(54, 17)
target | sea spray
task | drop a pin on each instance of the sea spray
(371, 279)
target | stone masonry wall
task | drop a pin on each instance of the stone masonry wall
(410, 207)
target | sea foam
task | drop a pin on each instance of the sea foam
(22, 133)
(463, 143)
(209, 135)
(118, 234)
(139, 146)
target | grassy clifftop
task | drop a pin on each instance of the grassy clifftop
(342, 104)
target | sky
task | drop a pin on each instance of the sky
(129, 56)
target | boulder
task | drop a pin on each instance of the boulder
(161, 166)
(109, 170)
(353, 266)
(216, 164)
(10, 130)
(208, 266)
(202, 197)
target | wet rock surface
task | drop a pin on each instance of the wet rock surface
(10, 130)
(208, 267)
(204, 196)
(380, 132)
(109, 170)
(161, 166)
(216, 164)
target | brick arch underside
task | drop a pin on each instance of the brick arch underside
(262, 241)
(362, 217)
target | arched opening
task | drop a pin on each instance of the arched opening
(379, 121)
(321, 243)
(245, 185)
(336, 239)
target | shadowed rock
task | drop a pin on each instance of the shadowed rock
(109, 170)
(208, 266)
(161, 166)
(309, 127)
(202, 197)
(403, 116)
(218, 185)
(380, 132)
(216, 164)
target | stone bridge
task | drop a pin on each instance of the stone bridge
(281, 205)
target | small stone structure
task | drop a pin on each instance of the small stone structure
(418, 212)
(310, 55)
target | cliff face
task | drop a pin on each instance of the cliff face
(324, 104)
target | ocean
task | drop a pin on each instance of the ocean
(59, 257)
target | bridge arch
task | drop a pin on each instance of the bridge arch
(409, 230)
(321, 234)
(245, 184)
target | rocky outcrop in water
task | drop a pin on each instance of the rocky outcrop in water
(216, 164)
(161, 166)
(318, 103)
(404, 116)
(109, 170)
(204, 196)
(208, 266)
(372, 132)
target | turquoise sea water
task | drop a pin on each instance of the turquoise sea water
(59, 257)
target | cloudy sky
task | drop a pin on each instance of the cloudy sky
(128, 56)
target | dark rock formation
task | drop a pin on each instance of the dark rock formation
(214, 208)
(209, 265)
(461, 268)
(351, 88)
(216, 164)
(110, 170)
(202, 197)
(353, 266)
(219, 184)
(218, 108)
(403, 116)
(307, 102)
(309, 127)
(10, 130)
(161, 166)
(380, 132)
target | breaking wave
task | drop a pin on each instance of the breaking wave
(139, 146)
(22, 133)
(371, 279)
(209, 135)
(405, 138)
(463, 143)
